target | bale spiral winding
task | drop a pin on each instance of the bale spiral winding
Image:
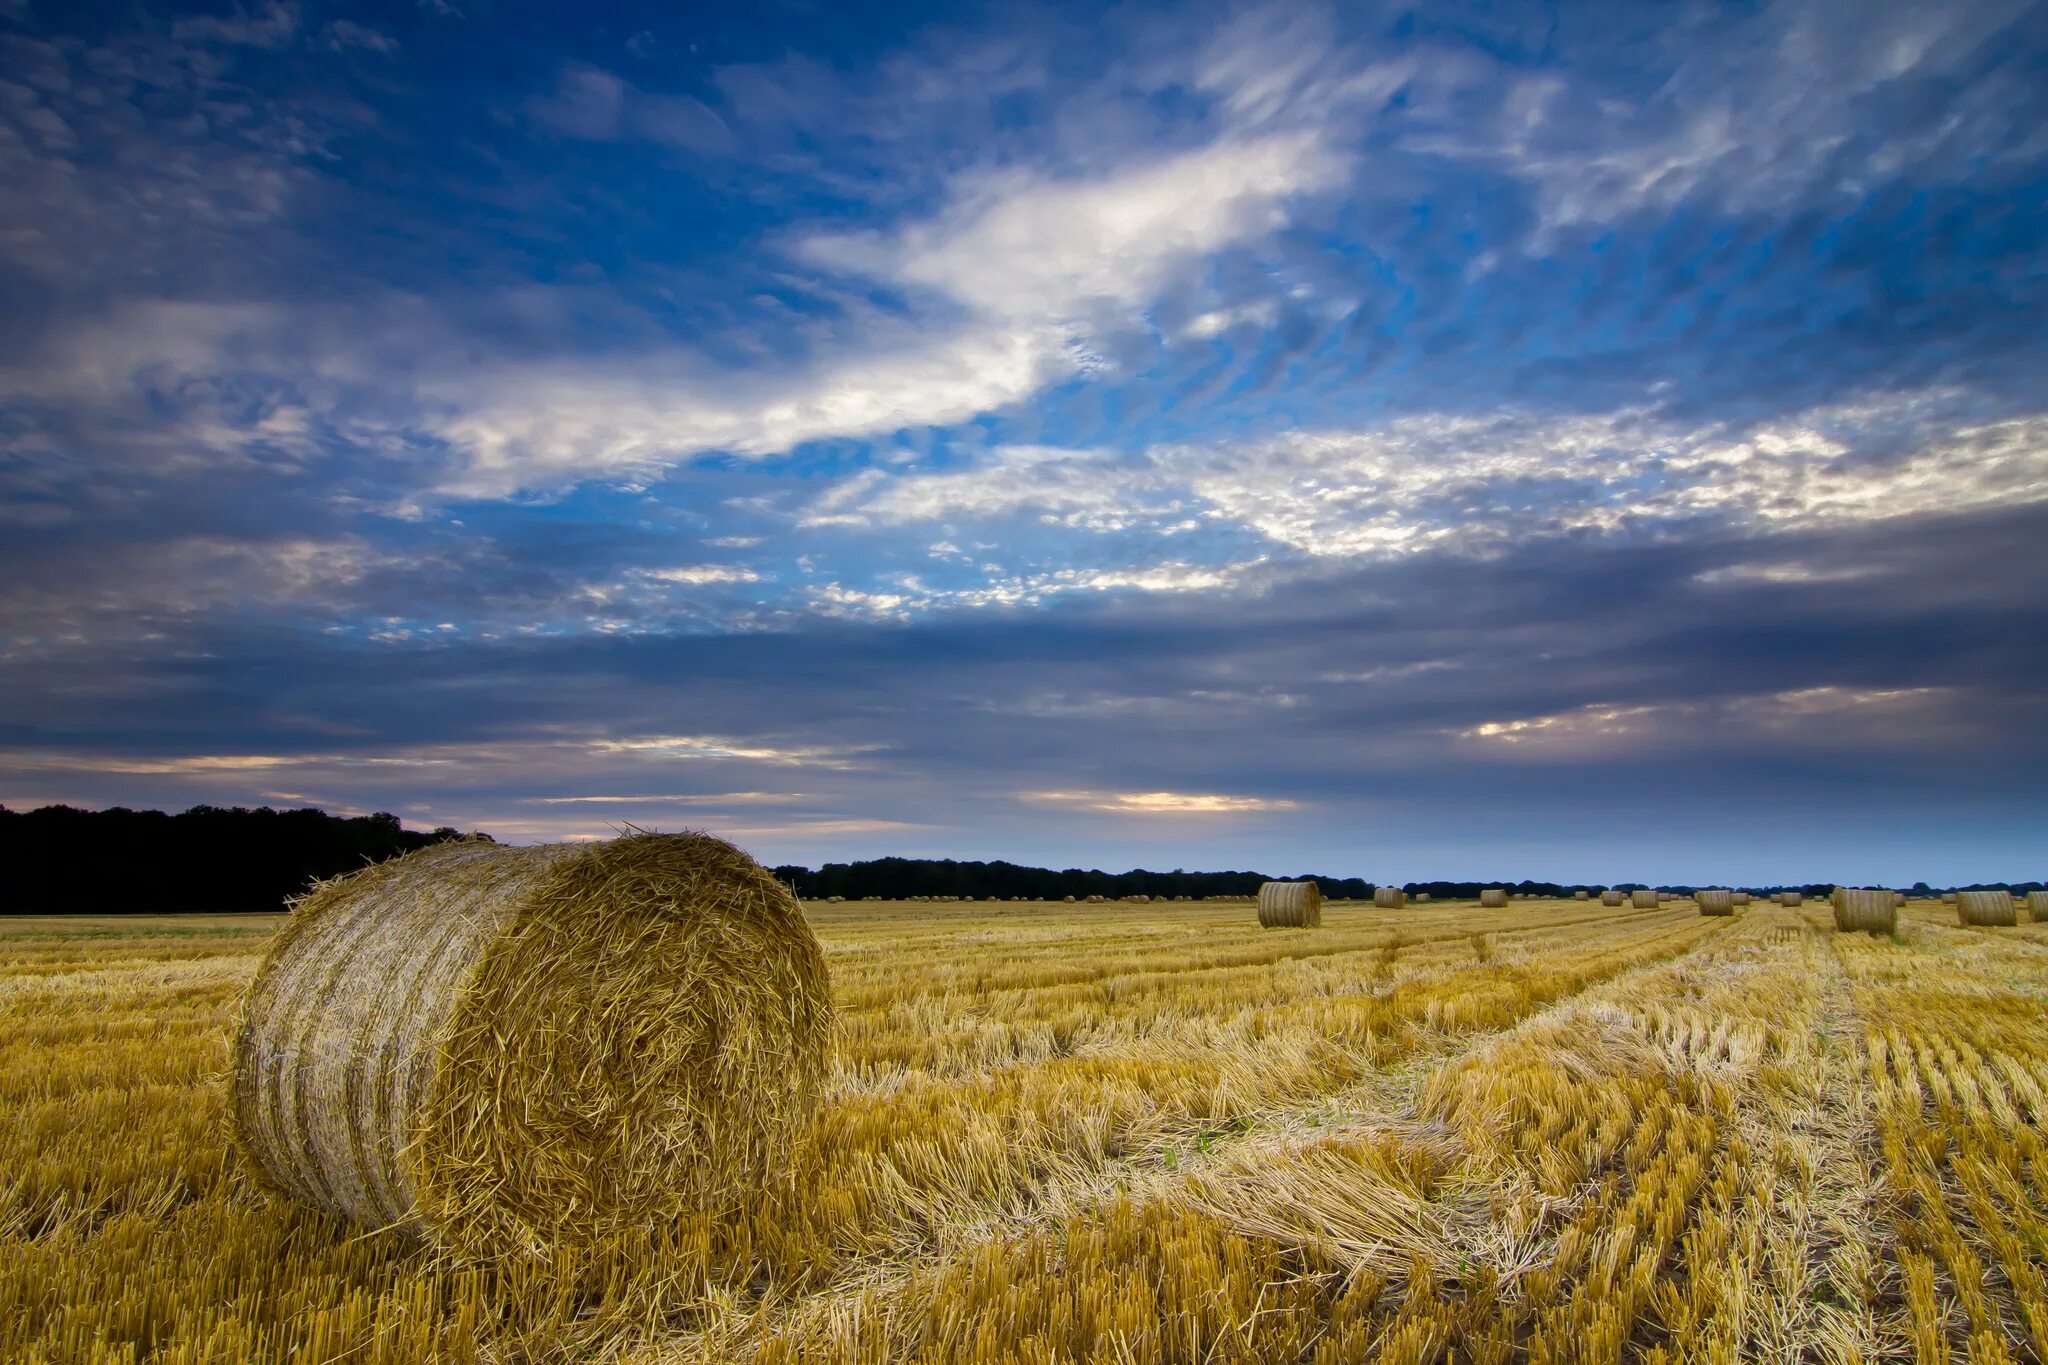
(1290, 905)
(516, 1049)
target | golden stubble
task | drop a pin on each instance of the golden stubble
(1550, 1131)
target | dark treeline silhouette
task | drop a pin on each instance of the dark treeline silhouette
(895, 878)
(898, 878)
(60, 860)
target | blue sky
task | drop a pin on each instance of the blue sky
(1585, 441)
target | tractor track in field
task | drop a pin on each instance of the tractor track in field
(1385, 1101)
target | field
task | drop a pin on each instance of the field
(1555, 1131)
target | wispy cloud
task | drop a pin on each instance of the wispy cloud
(1163, 803)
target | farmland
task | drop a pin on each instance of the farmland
(1550, 1131)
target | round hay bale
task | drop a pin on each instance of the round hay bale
(2037, 906)
(1421, 898)
(1740, 897)
(1494, 897)
(1612, 898)
(1645, 899)
(1582, 895)
(1987, 908)
(1290, 905)
(1791, 898)
(1948, 898)
(1098, 900)
(1066, 900)
(1898, 900)
(517, 1049)
(1715, 902)
(1389, 898)
(1870, 909)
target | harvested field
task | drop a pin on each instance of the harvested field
(1553, 1130)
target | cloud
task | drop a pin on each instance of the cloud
(694, 575)
(1823, 716)
(682, 799)
(595, 105)
(1033, 248)
(1760, 113)
(696, 747)
(1163, 803)
(1479, 482)
(913, 597)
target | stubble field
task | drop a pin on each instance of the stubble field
(1555, 1131)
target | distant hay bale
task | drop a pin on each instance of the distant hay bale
(1791, 898)
(835, 900)
(1948, 898)
(1582, 895)
(1715, 901)
(1741, 897)
(1421, 898)
(1898, 900)
(1645, 899)
(1066, 900)
(1494, 897)
(1290, 905)
(2037, 906)
(1612, 898)
(1870, 909)
(513, 1050)
(1098, 900)
(1139, 900)
(1986, 908)
(1389, 898)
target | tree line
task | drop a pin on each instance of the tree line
(60, 860)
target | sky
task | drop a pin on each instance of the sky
(1591, 442)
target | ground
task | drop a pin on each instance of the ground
(1554, 1131)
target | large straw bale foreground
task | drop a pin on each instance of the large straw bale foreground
(1645, 899)
(515, 1049)
(1870, 909)
(1290, 905)
(1986, 908)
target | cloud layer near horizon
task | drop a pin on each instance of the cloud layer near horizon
(1300, 436)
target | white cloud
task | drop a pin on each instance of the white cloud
(913, 597)
(1477, 482)
(1037, 249)
(696, 575)
(552, 424)
(1020, 263)
(685, 799)
(694, 747)
(1162, 803)
(1884, 719)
